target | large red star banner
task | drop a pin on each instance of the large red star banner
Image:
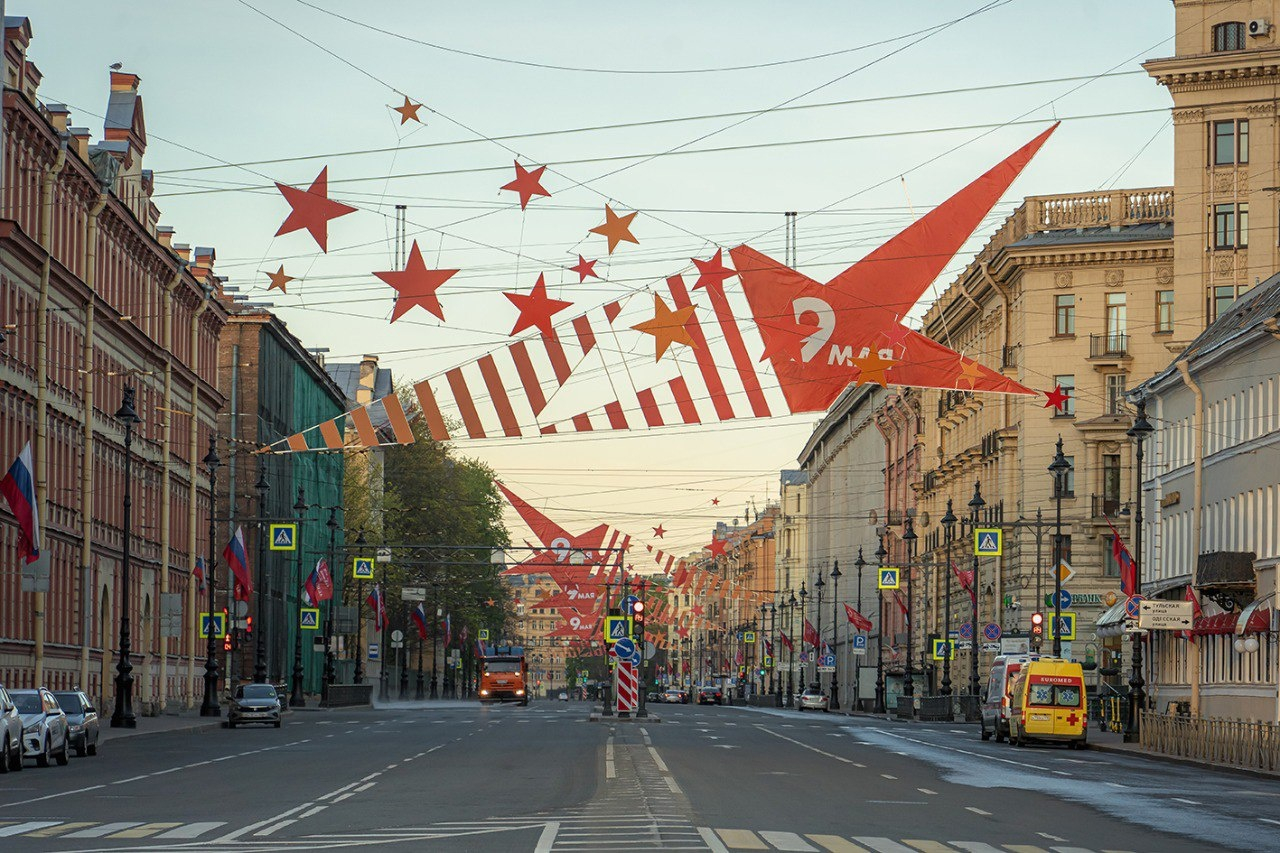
(780, 343)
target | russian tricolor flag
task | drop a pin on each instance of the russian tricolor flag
(420, 619)
(19, 489)
(238, 561)
(378, 605)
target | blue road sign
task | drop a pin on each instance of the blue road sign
(739, 636)
(988, 542)
(1065, 628)
(804, 657)
(219, 625)
(362, 568)
(859, 641)
(617, 628)
(827, 660)
(1064, 599)
(992, 631)
(625, 647)
(284, 537)
(1133, 606)
(888, 579)
(375, 651)
(966, 631)
(628, 603)
(309, 618)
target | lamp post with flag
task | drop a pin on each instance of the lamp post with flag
(1137, 696)
(123, 716)
(329, 675)
(262, 487)
(909, 539)
(296, 698)
(976, 503)
(835, 630)
(819, 645)
(209, 707)
(948, 525)
(881, 555)
(791, 649)
(804, 620)
(859, 564)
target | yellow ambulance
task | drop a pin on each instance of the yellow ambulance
(1048, 704)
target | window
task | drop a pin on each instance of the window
(1228, 36)
(1110, 483)
(1067, 382)
(1115, 392)
(1221, 301)
(1116, 321)
(1230, 142)
(1065, 313)
(1110, 568)
(1230, 226)
(1164, 311)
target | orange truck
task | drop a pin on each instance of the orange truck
(504, 675)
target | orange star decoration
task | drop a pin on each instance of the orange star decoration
(667, 326)
(871, 370)
(490, 602)
(279, 280)
(616, 229)
(659, 531)
(584, 268)
(536, 308)
(408, 112)
(970, 371)
(527, 184)
(416, 285)
(312, 209)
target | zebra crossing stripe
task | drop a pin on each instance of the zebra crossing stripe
(192, 830)
(18, 829)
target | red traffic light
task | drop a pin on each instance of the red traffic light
(637, 608)
(1037, 623)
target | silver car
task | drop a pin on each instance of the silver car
(814, 698)
(45, 733)
(254, 703)
(10, 734)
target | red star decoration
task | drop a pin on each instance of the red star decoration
(312, 209)
(409, 111)
(696, 610)
(712, 272)
(536, 308)
(1057, 398)
(648, 546)
(527, 184)
(717, 547)
(416, 285)
(279, 279)
(715, 502)
(616, 229)
(659, 531)
(585, 268)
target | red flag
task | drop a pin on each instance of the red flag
(811, 634)
(1128, 568)
(966, 580)
(319, 584)
(786, 641)
(1196, 612)
(902, 606)
(856, 619)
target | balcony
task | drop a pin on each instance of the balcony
(1109, 348)
(1104, 506)
(1010, 355)
(1090, 210)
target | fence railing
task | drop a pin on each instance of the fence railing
(1239, 743)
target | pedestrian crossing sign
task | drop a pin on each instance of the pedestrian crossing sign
(362, 568)
(484, 633)
(617, 628)
(284, 537)
(309, 618)
(1065, 629)
(988, 542)
(749, 637)
(944, 649)
(768, 661)
(889, 579)
(219, 625)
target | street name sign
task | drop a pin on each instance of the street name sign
(888, 579)
(284, 537)
(1165, 615)
(988, 542)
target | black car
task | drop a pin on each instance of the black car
(710, 696)
(254, 703)
(82, 721)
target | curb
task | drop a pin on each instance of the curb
(109, 734)
(1185, 762)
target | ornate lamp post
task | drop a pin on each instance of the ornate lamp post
(881, 555)
(1059, 469)
(791, 652)
(210, 707)
(773, 640)
(948, 525)
(296, 697)
(858, 564)
(819, 584)
(260, 643)
(359, 673)
(909, 539)
(976, 503)
(123, 716)
(835, 629)
(329, 675)
(804, 594)
(1137, 696)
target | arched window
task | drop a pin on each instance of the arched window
(1228, 36)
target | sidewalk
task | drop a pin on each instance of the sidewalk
(184, 721)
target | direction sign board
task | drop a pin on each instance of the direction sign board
(888, 579)
(749, 637)
(943, 649)
(624, 647)
(1065, 627)
(1064, 599)
(284, 537)
(375, 651)
(966, 631)
(309, 618)
(413, 593)
(384, 554)
(1165, 615)
(1133, 607)
(991, 631)
(617, 628)
(988, 542)
(484, 633)
(219, 625)
(362, 568)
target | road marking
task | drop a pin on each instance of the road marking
(144, 831)
(1050, 837)
(671, 783)
(788, 841)
(548, 837)
(1269, 820)
(836, 844)
(324, 797)
(883, 845)
(887, 776)
(712, 841)
(1117, 785)
(276, 827)
(961, 751)
(348, 795)
(657, 759)
(1022, 848)
(805, 745)
(29, 826)
(741, 839)
(232, 836)
(366, 786)
(1188, 802)
(610, 769)
(926, 791)
(59, 829)
(927, 846)
(977, 810)
(130, 779)
(192, 830)
(979, 847)
(99, 831)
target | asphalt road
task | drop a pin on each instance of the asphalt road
(457, 777)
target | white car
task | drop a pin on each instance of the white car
(44, 726)
(814, 698)
(10, 734)
(563, 697)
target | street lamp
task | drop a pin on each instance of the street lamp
(123, 716)
(210, 707)
(296, 698)
(1137, 696)
(835, 629)
(858, 564)
(881, 556)
(1059, 468)
(260, 646)
(948, 525)
(773, 639)
(909, 539)
(791, 656)
(358, 677)
(804, 593)
(819, 584)
(329, 676)
(976, 503)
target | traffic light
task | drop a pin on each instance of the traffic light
(226, 642)
(637, 616)
(1037, 626)
(248, 625)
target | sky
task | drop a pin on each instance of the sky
(860, 121)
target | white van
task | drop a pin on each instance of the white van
(996, 707)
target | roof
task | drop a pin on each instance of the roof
(1099, 234)
(347, 377)
(795, 478)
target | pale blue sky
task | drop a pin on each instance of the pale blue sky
(221, 79)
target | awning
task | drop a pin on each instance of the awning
(1225, 623)
(1111, 622)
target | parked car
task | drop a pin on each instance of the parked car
(45, 733)
(563, 697)
(254, 703)
(676, 696)
(710, 695)
(82, 721)
(653, 696)
(10, 734)
(814, 698)
(996, 704)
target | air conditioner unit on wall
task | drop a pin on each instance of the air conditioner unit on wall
(1259, 27)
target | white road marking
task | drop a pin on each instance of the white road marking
(1050, 837)
(366, 786)
(977, 810)
(610, 769)
(232, 836)
(1188, 802)
(29, 826)
(883, 845)
(193, 830)
(331, 794)
(1269, 820)
(105, 829)
(548, 837)
(276, 827)
(712, 841)
(1117, 785)
(961, 751)
(657, 759)
(805, 745)
(926, 791)
(787, 841)
(348, 795)
(671, 783)
(887, 776)
(311, 812)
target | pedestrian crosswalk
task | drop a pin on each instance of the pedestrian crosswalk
(795, 842)
(117, 830)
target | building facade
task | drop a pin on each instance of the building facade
(94, 299)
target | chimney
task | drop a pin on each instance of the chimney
(60, 115)
(368, 377)
(123, 81)
(205, 256)
(183, 251)
(80, 141)
(164, 233)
